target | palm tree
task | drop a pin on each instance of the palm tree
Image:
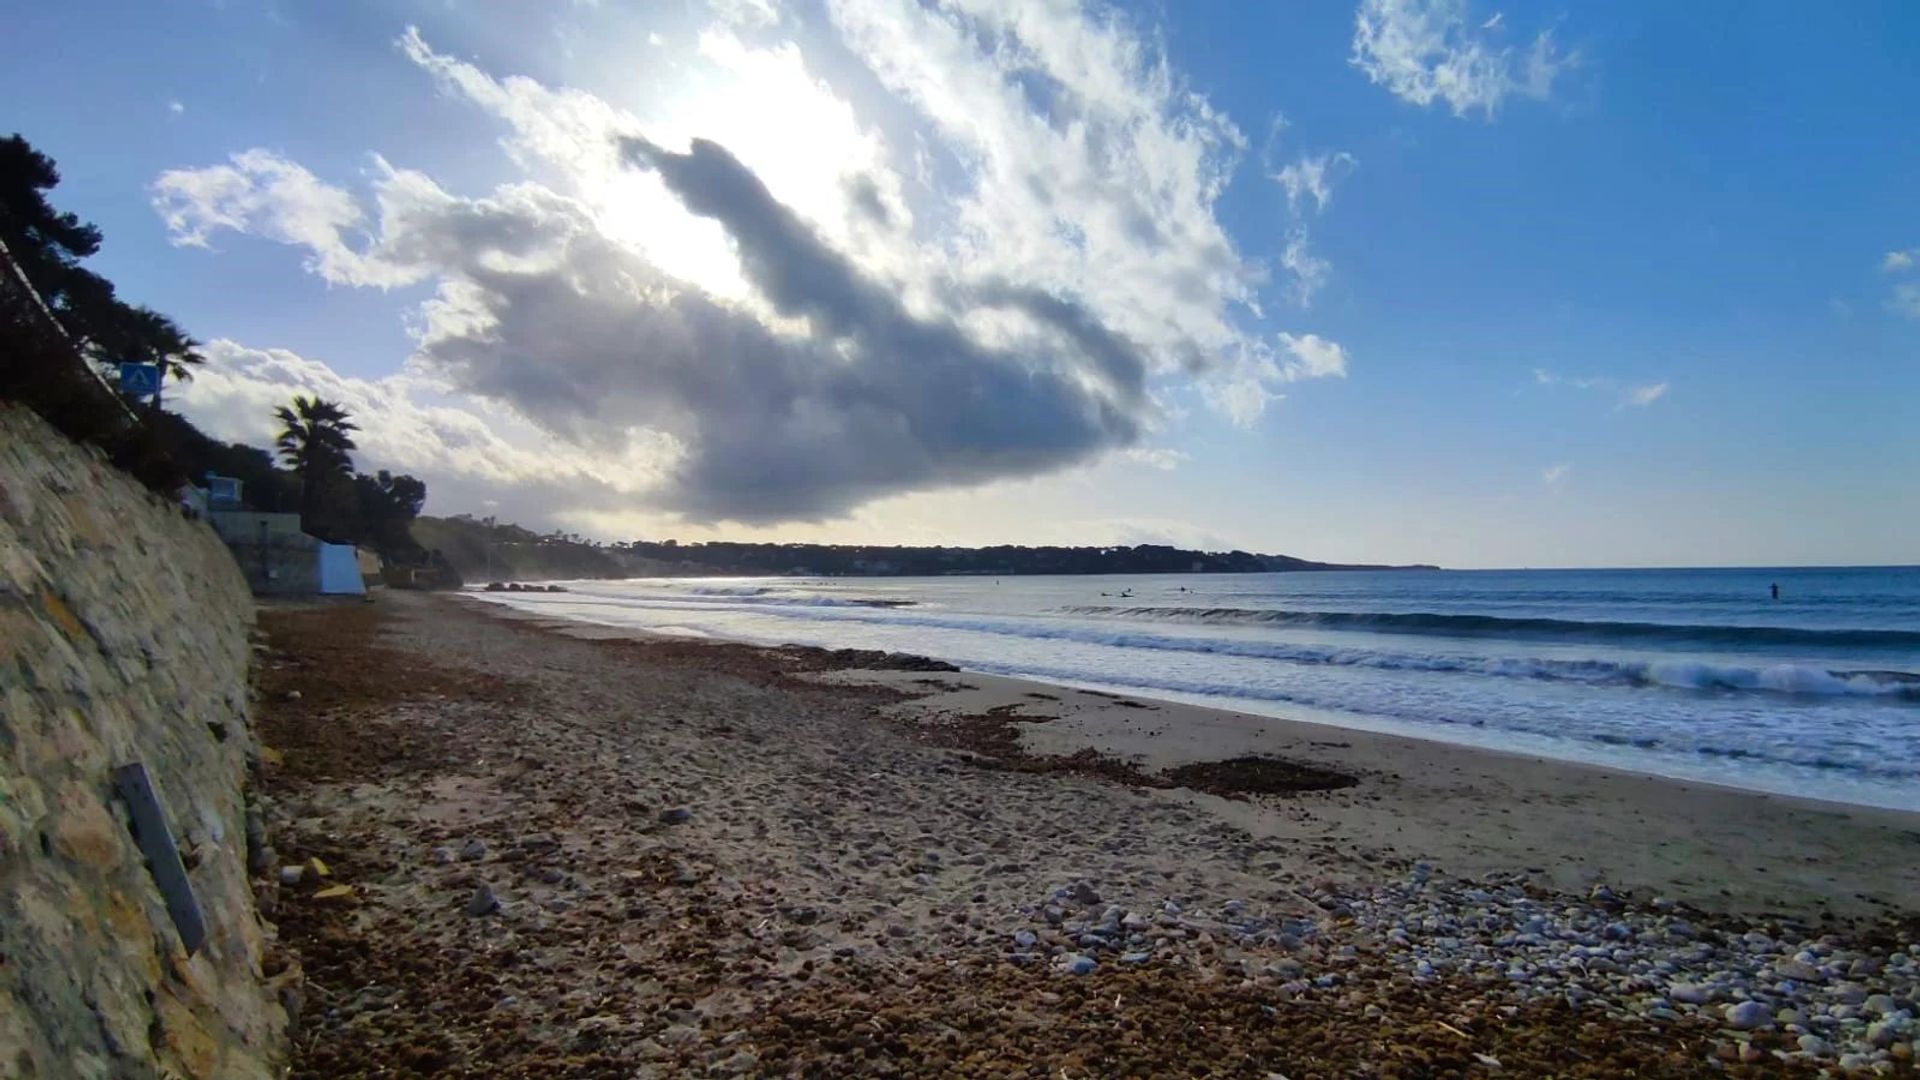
(314, 442)
(144, 335)
(159, 340)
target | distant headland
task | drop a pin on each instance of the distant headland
(486, 551)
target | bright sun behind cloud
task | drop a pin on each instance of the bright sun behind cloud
(958, 247)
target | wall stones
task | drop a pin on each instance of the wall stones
(123, 637)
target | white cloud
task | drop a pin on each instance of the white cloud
(1556, 475)
(1906, 299)
(1897, 261)
(1312, 357)
(1644, 394)
(753, 14)
(1158, 457)
(467, 450)
(1423, 51)
(1313, 177)
(1068, 126)
(176, 107)
(261, 193)
(1309, 272)
(1308, 356)
(792, 317)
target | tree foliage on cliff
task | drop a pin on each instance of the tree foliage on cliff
(47, 245)
(58, 318)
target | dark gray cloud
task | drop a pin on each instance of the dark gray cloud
(873, 400)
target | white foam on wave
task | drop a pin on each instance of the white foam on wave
(1798, 679)
(1785, 679)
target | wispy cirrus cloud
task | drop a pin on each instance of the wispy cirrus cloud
(1311, 178)
(1904, 299)
(1644, 394)
(1307, 272)
(1636, 395)
(1427, 51)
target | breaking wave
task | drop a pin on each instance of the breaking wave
(1778, 678)
(1438, 624)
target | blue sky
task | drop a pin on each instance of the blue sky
(1578, 285)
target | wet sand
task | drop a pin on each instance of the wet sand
(1472, 811)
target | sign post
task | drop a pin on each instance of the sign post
(139, 381)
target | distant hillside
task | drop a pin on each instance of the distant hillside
(495, 552)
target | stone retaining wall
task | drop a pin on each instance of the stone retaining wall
(124, 637)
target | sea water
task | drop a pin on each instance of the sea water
(1697, 674)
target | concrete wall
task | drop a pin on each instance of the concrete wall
(124, 637)
(247, 526)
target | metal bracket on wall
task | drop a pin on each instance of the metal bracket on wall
(163, 855)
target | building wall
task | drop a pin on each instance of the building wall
(247, 526)
(279, 567)
(124, 637)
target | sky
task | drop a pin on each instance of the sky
(1468, 283)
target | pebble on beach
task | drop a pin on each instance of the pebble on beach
(484, 902)
(1748, 1015)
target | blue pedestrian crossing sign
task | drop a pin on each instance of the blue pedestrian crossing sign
(139, 380)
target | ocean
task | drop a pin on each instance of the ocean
(1693, 674)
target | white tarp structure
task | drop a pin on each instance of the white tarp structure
(339, 566)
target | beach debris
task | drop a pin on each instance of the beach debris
(335, 892)
(291, 875)
(483, 902)
(291, 695)
(1561, 984)
(318, 867)
(155, 839)
(676, 815)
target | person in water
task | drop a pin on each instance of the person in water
(1776, 590)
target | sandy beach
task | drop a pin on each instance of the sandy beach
(569, 851)
(1472, 812)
